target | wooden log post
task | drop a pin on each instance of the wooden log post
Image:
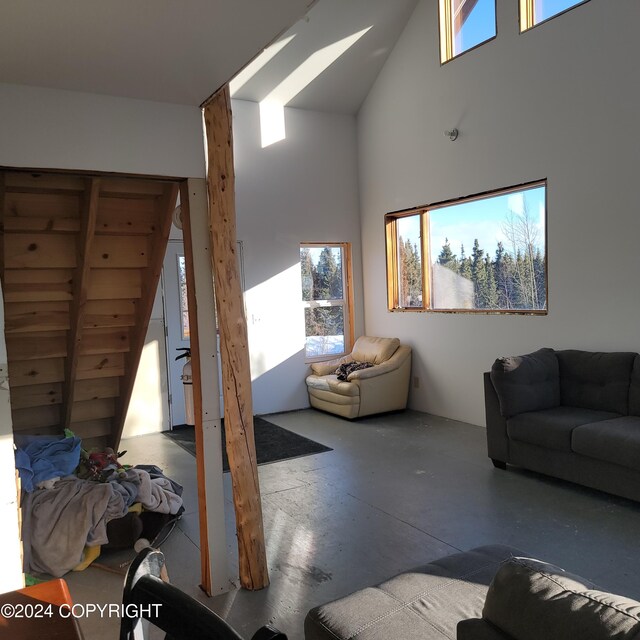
(234, 350)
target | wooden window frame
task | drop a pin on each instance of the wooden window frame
(391, 249)
(528, 14)
(346, 302)
(446, 26)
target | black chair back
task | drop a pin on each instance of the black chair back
(179, 615)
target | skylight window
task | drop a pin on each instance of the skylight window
(464, 25)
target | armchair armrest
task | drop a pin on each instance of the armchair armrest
(393, 363)
(329, 366)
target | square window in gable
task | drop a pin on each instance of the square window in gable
(464, 25)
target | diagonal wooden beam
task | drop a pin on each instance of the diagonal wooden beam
(78, 303)
(234, 350)
(151, 276)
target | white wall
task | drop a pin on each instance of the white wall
(558, 102)
(47, 128)
(10, 548)
(302, 189)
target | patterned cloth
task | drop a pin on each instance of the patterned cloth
(344, 370)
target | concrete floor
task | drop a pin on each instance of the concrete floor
(397, 491)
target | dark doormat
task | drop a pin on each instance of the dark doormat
(273, 443)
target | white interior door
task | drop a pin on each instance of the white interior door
(177, 325)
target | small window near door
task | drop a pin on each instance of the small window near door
(184, 305)
(326, 291)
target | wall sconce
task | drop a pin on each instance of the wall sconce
(452, 134)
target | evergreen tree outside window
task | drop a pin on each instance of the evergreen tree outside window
(324, 271)
(485, 253)
(533, 12)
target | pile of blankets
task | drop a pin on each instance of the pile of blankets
(68, 512)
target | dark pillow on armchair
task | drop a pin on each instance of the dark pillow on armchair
(527, 383)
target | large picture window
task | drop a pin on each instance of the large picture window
(465, 24)
(326, 293)
(533, 12)
(485, 253)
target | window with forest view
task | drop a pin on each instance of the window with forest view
(323, 270)
(485, 253)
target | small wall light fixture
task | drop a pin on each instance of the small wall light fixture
(452, 134)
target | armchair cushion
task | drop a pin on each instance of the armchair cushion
(327, 367)
(374, 350)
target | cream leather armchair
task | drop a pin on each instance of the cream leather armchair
(379, 388)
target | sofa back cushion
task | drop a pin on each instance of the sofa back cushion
(527, 383)
(529, 600)
(595, 380)
(374, 350)
(634, 389)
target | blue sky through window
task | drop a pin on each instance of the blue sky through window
(545, 9)
(485, 220)
(479, 26)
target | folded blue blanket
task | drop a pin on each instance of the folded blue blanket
(40, 458)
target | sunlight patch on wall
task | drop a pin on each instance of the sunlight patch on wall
(261, 61)
(146, 412)
(272, 128)
(11, 575)
(275, 321)
(272, 107)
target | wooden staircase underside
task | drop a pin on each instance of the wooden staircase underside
(80, 261)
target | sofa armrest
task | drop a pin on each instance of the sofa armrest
(497, 438)
(328, 367)
(530, 599)
(394, 362)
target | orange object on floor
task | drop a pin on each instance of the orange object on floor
(33, 613)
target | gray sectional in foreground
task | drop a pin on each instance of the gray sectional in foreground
(570, 414)
(488, 593)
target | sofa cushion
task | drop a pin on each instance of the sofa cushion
(374, 350)
(423, 604)
(616, 441)
(529, 600)
(595, 380)
(527, 383)
(634, 389)
(552, 428)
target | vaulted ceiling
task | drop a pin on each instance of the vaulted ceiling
(177, 51)
(182, 52)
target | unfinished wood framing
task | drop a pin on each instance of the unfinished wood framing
(215, 572)
(236, 374)
(80, 258)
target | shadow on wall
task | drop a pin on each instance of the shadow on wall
(282, 387)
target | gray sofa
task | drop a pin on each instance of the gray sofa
(488, 593)
(570, 414)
